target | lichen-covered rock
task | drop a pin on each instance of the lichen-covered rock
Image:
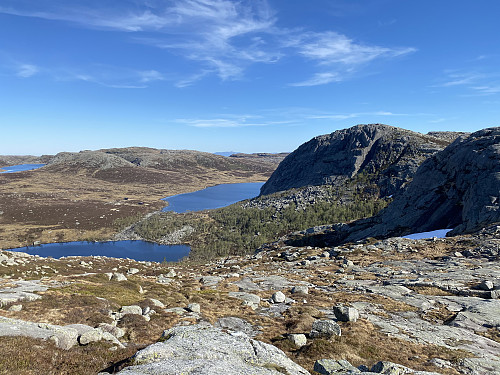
(325, 328)
(203, 349)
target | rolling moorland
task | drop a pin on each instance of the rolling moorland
(310, 277)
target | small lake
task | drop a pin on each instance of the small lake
(20, 168)
(213, 197)
(137, 250)
(439, 233)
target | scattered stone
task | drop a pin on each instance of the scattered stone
(118, 277)
(332, 366)
(278, 297)
(298, 340)
(345, 313)
(171, 273)
(194, 307)
(486, 285)
(114, 330)
(251, 300)
(157, 303)
(176, 310)
(16, 308)
(93, 335)
(210, 281)
(163, 279)
(325, 328)
(133, 309)
(300, 289)
(132, 271)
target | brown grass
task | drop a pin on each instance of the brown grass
(361, 343)
(27, 356)
(65, 205)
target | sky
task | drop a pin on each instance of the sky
(246, 76)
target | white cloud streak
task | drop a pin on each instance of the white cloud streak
(223, 36)
(480, 84)
(27, 70)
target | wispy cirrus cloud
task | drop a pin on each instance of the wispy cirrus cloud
(345, 116)
(234, 121)
(224, 37)
(27, 70)
(478, 84)
(111, 76)
(338, 56)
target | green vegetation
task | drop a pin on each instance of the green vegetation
(235, 230)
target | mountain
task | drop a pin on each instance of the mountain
(381, 155)
(457, 188)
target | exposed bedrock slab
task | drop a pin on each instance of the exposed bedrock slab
(205, 350)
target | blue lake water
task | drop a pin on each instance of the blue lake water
(213, 197)
(20, 168)
(138, 250)
(439, 233)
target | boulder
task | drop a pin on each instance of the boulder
(300, 289)
(325, 329)
(298, 340)
(203, 349)
(332, 366)
(345, 313)
(278, 297)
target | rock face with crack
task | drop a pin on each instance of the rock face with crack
(203, 349)
(389, 156)
(458, 188)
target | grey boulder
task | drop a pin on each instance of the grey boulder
(205, 350)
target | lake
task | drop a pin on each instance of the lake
(138, 250)
(20, 168)
(213, 197)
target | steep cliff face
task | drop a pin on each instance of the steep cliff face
(382, 155)
(457, 188)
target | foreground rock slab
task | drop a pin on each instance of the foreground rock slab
(206, 350)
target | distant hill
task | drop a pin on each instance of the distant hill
(381, 155)
(8, 160)
(153, 165)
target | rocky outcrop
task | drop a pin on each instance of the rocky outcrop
(155, 160)
(88, 159)
(458, 188)
(203, 349)
(383, 155)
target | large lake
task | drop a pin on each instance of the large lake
(138, 250)
(20, 168)
(209, 198)
(213, 197)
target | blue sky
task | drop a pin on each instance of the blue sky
(250, 76)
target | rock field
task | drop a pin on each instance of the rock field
(396, 306)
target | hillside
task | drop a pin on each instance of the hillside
(457, 188)
(92, 194)
(382, 155)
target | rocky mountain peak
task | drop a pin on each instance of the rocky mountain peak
(387, 155)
